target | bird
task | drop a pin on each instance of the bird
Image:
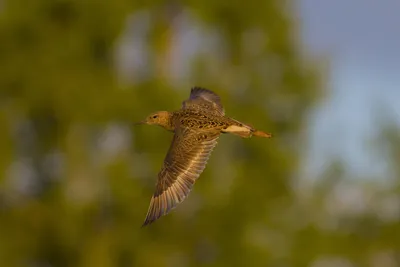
(196, 127)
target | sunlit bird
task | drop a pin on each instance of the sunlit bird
(196, 126)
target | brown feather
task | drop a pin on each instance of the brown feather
(197, 127)
(185, 161)
(204, 99)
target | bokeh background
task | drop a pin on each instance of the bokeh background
(76, 175)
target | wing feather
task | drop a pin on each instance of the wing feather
(185, 161)
(204, 99)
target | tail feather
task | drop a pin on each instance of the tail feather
(244, 130)
(262, 134)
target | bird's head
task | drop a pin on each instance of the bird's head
(161, 118)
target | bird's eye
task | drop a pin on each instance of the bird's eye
(155, 116)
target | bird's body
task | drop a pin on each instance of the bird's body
(196, 128)
(199, 120)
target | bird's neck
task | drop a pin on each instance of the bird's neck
(168, 122)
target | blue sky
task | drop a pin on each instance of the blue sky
(362, 38)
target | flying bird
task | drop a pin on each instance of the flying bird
(196, 127)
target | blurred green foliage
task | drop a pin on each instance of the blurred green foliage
(78, 176)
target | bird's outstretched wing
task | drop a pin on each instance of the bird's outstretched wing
(185, 161)
(204, 99)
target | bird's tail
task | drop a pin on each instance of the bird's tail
(262, 134)
(244, 130)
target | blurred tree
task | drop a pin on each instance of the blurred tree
(353, 220)
(76, 186)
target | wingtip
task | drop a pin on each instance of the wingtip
(146, 223)
(202, 89)
(196, 87)
(151, 216)
(149, 220)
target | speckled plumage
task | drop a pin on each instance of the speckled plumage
(196, 126)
